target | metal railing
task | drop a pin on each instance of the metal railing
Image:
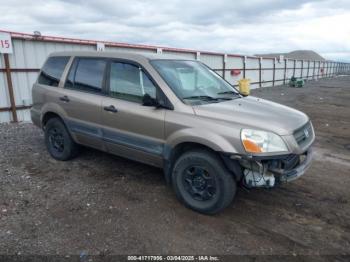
(263, 71)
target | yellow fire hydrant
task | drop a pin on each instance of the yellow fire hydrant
(244, 86)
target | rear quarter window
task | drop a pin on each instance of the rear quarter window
(52, 70)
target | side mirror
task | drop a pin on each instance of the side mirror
(147, 100)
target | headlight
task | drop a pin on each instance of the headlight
(255, 141)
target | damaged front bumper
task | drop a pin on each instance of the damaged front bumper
(298, 171)
(273, 170)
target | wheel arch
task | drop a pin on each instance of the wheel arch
(52, 110)
(173, 153)
(53, 114)
(48, 115)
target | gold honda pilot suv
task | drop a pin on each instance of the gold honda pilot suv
(172, 113)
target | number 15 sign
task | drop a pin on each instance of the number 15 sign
(5, 43)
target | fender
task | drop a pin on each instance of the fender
(202, 137)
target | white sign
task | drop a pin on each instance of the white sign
(100, 47)
(5, 43)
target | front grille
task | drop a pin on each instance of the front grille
(304, 135)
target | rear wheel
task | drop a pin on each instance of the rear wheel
(58, 141)
(202, 182)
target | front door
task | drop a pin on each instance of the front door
(130, 129)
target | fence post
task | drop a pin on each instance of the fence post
(302, 69)
(10, 88)
(335, 68)
(198, 56)
(295, 61)
(260, 60)
(224, 66)
(274, 71)
(331, 69)
(338, 68)
(244, 65)
(308, 69)
(313, 70)
(285, 71)
(319, 67)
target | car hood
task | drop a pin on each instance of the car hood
(257, 113)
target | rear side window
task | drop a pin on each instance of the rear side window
(52, 70)
(86, 74)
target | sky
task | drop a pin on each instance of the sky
(240, 27)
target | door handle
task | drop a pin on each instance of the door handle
(64, 99)
(110, 108)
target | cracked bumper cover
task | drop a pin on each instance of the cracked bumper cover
(295, 173)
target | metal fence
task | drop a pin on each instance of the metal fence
(19, 70)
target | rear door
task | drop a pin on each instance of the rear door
(81, 100)
(131, 129)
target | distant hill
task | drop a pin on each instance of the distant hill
(297, 54)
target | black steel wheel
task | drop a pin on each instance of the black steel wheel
(202, 182)
(58, 141)
(199, 183)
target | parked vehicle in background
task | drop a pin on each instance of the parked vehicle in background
(175, 114)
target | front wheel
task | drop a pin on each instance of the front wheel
(202, 182)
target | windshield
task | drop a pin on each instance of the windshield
(193, 82)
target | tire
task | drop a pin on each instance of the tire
(58, 141)
(202, 182)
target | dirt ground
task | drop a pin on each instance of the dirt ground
(101, 204)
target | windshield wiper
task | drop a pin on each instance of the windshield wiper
(228, 92)
(207, 98)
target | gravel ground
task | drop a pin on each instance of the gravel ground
(99, 204)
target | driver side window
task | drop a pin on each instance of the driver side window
(129, 82)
